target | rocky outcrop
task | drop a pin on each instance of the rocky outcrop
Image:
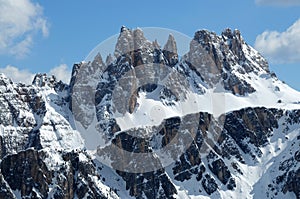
(36, 137)
(170, 51)
(27, 172)
(5, 191)
(219, 57)
(194, 154)
(255, 125)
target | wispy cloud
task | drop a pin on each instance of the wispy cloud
(280, 47)
(20, 20)
(17, 75)
(278, 2)
(61, 72)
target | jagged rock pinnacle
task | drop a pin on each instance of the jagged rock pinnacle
(124, 43)
(42, 80)
(4, 80)
(109, 59)
(204, 36)
(139, 40)
(131, 40)
(156, 44)
(171, 45)
(227, 33)
(123, 28)
(97, 63)
(170, 50)
(48, 149)
(98, 58)
(236, 34)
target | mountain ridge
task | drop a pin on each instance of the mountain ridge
(45, 140)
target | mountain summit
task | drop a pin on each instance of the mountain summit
(148, 122)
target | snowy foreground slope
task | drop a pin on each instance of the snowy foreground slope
(148, 123)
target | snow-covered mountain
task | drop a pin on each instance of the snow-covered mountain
(149, 123)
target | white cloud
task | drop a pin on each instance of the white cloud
(20, 20)
(17, 75)
(278, 2)
(280, 47)
(61, 72)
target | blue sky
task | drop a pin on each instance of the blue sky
(49, 36)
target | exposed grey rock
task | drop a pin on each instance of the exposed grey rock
(5, 191)
(27, 172)
(170, 50)
(37, 127)
(109, 60)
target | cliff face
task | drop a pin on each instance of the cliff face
(149, 123)
(41, 154)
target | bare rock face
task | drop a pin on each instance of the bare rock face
(5, 191)
(43, 80)
(81, 87)
(219, 55)
(34, 123)
(109, 59)
(125, 42)
(170, 50)
(130, 41)
(44, 156)
(27, 172)
(287, 179)
(236, 42)
(212, 60)
(97, 64)
(256, 125)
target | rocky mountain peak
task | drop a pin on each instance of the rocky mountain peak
(204, 36)
(242, 50)
(139, 39)
(156, 44)
(131, 40)
(109, 59)
(171, 44)
(231, 34)
(98, 59)
(226, 58)
(4, 81)
(170, 50)
(97, 64)
(230, 42)
(124, 29)
(235, 42)
(124, 43)
(214, 57)
(250, 151)
(42, 80)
